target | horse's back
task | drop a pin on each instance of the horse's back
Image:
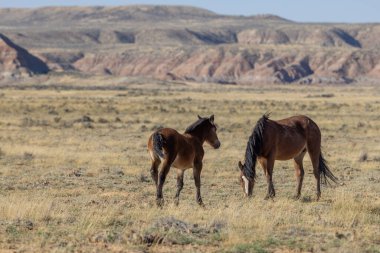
(293, 135)
(300, 120)
(300, 123)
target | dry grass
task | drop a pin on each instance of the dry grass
(74, 172)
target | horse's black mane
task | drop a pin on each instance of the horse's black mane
(254, 145)
(195, 125)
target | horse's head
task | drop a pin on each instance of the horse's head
(210, 132)
(245, 181)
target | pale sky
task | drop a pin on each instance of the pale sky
(297, 10)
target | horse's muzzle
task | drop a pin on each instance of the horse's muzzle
(216, 144)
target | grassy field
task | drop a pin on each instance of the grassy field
(74, 172)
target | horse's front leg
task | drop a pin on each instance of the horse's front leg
(197, 179)
(268, 164)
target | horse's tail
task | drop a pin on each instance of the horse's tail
(158, 144)
(325, 171)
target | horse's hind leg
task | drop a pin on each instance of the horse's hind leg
(179, 184)
(154, 169)
(298, 166)
(314, 157)
(161, 180)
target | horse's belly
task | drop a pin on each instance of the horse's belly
(289, 153)
(284, 157)
(183, 162)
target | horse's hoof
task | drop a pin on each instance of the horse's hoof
(200, 203)
(267, 197)
(297, 197)
(160, 202)
(176, 202)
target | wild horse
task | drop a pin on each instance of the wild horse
(284, 139)
(182, 151)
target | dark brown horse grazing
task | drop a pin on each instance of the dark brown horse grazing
(284, 139)
(182, 151)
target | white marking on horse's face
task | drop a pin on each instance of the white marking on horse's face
(246, 184)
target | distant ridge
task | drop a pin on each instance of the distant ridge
(186, 43)
(110, 14)
(270, 17)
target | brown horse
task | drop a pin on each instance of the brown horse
(284, 139)
(182, 151)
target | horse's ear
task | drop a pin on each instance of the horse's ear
(199, 117)
(240, 165)
(212, 118)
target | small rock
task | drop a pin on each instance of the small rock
(363, 156)
(340, 235)
(29, 225)
(143, 178)
(77, 173)
(120, 173)
(86, 118)
(102, 121)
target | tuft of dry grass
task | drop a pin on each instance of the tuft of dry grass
(75, 176)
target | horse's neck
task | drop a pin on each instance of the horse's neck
(197, 136)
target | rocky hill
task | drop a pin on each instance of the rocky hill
(15, 61)
(185, 43)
